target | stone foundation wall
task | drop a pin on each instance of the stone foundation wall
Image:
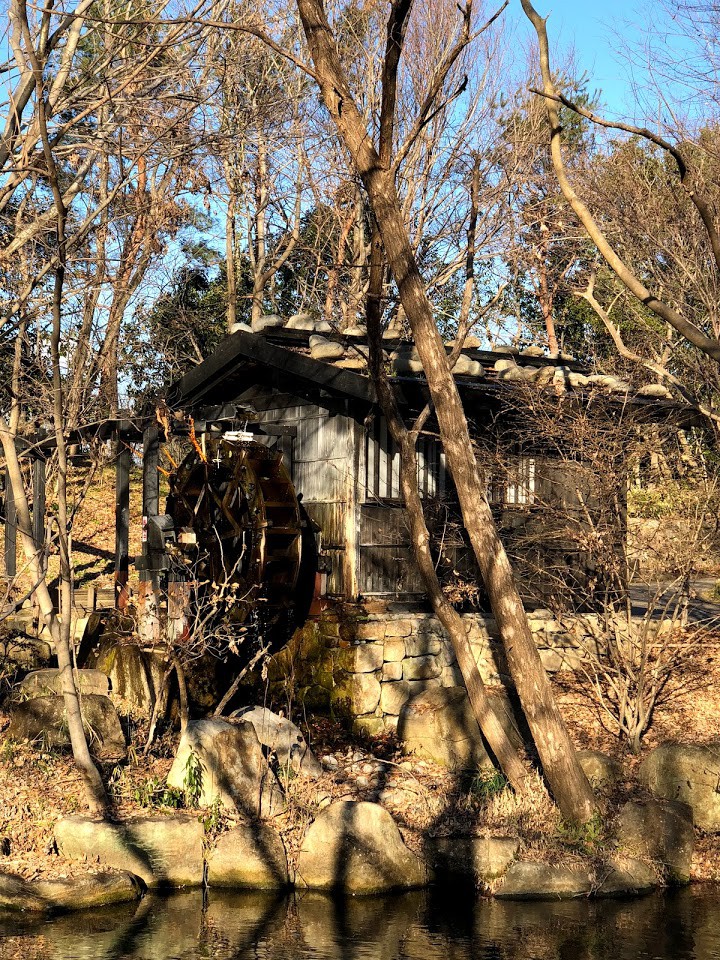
(365, 669)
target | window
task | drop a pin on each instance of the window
(514, 486)
(382, 465)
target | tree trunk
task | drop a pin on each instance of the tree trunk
(93, 785)
(565, 776)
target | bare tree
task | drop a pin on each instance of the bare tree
(565, 776)
(73, 85)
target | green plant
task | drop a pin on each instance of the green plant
(486, 785)
(193, 779)
(213, 819)
(587, 838)
(154, 793)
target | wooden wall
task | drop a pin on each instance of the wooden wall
(347, 475)
(327, 462)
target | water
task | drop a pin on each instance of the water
(414, 926)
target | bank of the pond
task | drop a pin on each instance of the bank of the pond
(418, 925)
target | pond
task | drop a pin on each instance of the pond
(416, 926)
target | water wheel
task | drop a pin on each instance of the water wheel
(238, 527)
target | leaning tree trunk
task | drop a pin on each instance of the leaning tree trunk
(565, 776)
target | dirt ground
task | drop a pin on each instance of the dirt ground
(38, 786)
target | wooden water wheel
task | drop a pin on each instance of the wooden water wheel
(238, 527)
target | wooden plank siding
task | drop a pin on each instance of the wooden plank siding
(327, 460)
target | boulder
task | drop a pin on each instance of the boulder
(392, 332)
(300, 321)
(355, 331)
(356, 848)
(17, 894)
(95, 890)
(505, 364)
(42, 683)
(323, 349)
(659, 830)
(512, 372)
(162, 851)
(44, 719)
(251, 856)
(689, 774)
(544, 881)
(405, 363)
(233, 768)
(438, 724)
(505, 348)
(267, 322)
(284, 739)
(532, 352)
(135, 674)
(654, 390)
(479, 859)
(621, 876)
(466, 367)
(26, 652)
(599, 768)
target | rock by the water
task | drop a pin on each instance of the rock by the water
(267, 322)
(42, 683)
(438, 724)
(324, 349)
(282, 737)
(162, 851)
(92, 891)
(621, 876)
(478, 858)
(233, 767)
(44, 719)
(356, 848)
(659, 830)
(599, 768)
(528, 880)
(251, 856)
(690, 774)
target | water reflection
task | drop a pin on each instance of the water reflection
(412, 926)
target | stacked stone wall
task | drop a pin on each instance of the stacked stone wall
(364, 669)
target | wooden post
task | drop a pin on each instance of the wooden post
(122, 522)
(151, 495)
(148, 619)
(10, 530)
(38, 509)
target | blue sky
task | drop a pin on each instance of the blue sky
(595, 32)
